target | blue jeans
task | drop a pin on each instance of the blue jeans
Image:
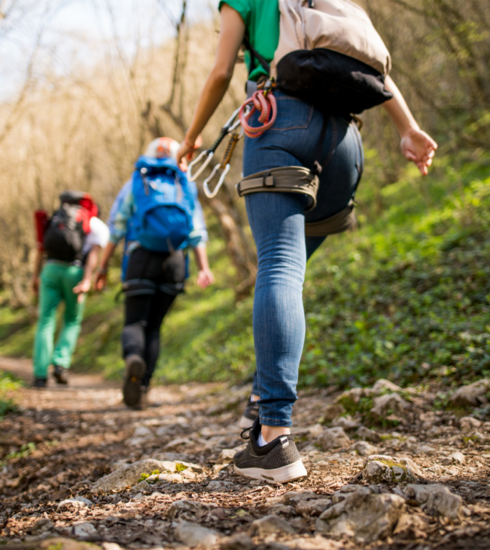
(278, 227)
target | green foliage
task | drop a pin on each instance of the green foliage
(180, 467)
(407, 297)
(23, 452)
(8, 383)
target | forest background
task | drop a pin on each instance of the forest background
(405, 296)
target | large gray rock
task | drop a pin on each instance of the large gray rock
(366, 517)
(194, 534)
(313, 507)
(347, 490)
(333, 438)
(435, 500)
(269, 525)
(390, 403)
(472, 395)
(129, 475)
(382, 468)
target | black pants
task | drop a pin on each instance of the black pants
(145, 311)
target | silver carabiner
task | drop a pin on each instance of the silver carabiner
(190, 175)
(207, 181)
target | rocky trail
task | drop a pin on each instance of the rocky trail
(388, 469)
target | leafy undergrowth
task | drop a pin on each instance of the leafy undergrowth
(406, 297)
(8, 384)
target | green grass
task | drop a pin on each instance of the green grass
(406, 297)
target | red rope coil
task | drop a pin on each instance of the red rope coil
(267, 106)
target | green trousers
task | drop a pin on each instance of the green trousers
(57, 282)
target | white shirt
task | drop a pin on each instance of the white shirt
(98, 235)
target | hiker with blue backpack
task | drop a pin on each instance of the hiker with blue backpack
(313, 64)
(159, 217)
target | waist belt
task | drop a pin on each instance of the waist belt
(138, 287)
(337, 223)
(289, 179)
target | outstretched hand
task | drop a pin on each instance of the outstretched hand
(186, 152)
(100, 280)
(419, 148)
(82, 287)
(205, 278)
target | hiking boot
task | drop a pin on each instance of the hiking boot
(277, 461)
(39, 383)
(135, 369)
(249, 415)
(142, 405)
(60, 374)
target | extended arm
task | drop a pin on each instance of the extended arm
(205, 276)
(416, 145)
(38, 263)
(230, 39)
(101, 277)
(90, 265)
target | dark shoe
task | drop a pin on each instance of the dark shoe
(143, 402)
(135, 369)
(249, 415)
(60, 374)
(39, 383)
(277, 461)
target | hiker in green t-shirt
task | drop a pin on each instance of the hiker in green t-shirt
(323, 139)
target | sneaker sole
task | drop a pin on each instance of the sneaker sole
(279, 475)
(135, 369)
(245, 423)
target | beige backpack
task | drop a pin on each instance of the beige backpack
(330, 55)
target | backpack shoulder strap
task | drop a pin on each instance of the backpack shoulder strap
(254, 54)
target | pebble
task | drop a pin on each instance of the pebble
(194, 534)
(363, 448)
(269, 525)
(369, 435)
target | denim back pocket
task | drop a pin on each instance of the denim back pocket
(292, 114)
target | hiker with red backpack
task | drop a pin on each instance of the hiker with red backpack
(312, 65)
(159, 217)
(68, 245)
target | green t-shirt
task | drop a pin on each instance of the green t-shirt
(261, 17)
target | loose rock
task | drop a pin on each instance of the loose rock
(457, 458)
(472, 395)
(227, 455)
(345, 422)
(194, 534)
(390, 403)
(85, 531)
(366, 517)
(381, 468)
(435, 500)
(469, 423)
(369, 435)
(314, 507)
(188, 508)
(383, 385)
(76, 501)
(127, 476)
(332, 411)
(237, 542)
(363, 448)
(333, 438)
(269, 525)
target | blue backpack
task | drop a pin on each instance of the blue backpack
(164, 202)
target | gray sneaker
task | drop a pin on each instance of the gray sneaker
(277, 461)
(135, 370)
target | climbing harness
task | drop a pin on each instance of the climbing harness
(206, 156)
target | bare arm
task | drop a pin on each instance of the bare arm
(230, 39)
(101, 277)
(38, 264)
(205, 277)
(416, 145)
(90, 265)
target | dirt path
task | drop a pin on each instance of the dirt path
(65, 440)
